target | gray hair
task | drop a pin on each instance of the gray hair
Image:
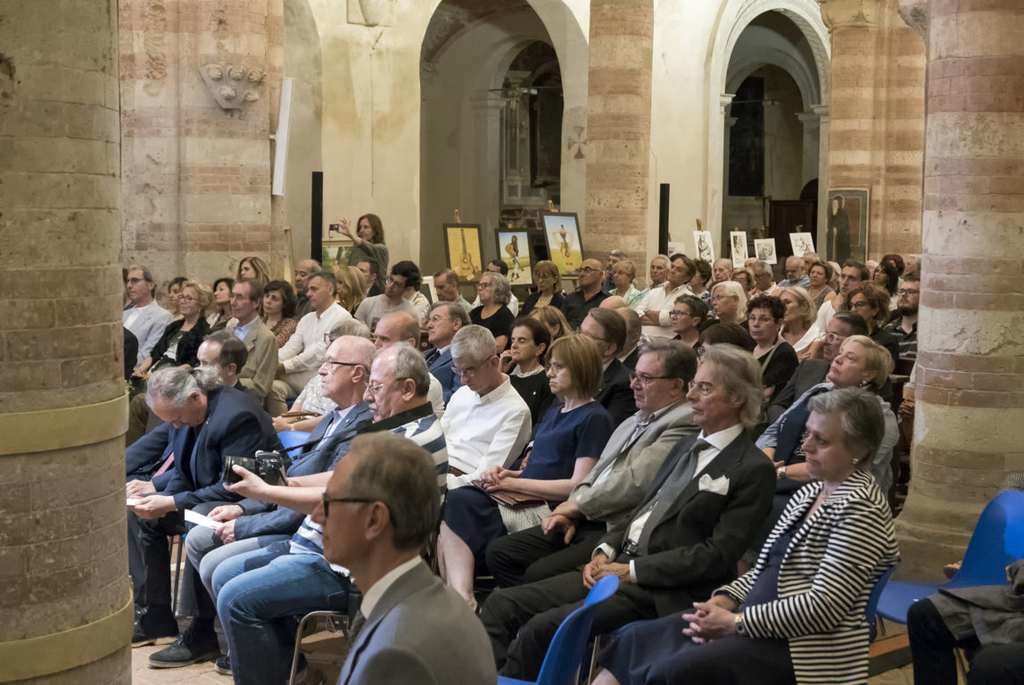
(409, 363)
(860, 416)
(502, 290)
(473, 343)
(740, 374)
(761, 267)
(455, 311)
(350, 326)
(176, 384)
(677, 358)
(405, 482)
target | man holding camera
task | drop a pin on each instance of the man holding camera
(206, 423)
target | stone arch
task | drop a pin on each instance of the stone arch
(732, 19)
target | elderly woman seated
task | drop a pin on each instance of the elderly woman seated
(798, 616)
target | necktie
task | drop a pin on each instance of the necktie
(670, 490)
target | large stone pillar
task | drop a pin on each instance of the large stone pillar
(877, 117)
(65, 600)
(969, 429)
(619, 127)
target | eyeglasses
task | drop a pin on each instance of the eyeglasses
(391, 281)
(704, 388)
(904, 291)
(677, 314)
(588, 270)
(329, 362)
(376, 387)
(860, 304)
(326, 502)
(646, 379)
(187, 298)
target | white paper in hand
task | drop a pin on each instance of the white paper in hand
(200, 520)
(132, 501)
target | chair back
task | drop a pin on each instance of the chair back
(565, 653)
(290, 439)
(871, 609)
(997, 541)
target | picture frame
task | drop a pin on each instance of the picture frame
(463, 251)
(428, 288)
(738, 248)
(848, 224)
(515, 250)
(562, 234)
(704, 246)
(335, 253)
(764, 249)
(802, 243)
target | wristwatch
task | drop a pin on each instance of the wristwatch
(780, 472)
(741, 627)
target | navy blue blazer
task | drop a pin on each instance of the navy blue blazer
(442, 369)
(262, 518)
(144, 456)
(615, 394)
(235, 425)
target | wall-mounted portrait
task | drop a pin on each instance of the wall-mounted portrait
(849, 223)
(738, 245)
(704, 246)
(764, 248)
(514, 250)
(462, 247)
(562, 232)
(802, 243)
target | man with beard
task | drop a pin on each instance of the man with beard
(903, 324)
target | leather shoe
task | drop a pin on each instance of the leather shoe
(151, 627)
(192, 646)
(223, 664)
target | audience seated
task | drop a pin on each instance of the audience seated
(796, 274)
(303, 270)
(764, 280)
(493, 313)
(852, 275)
(608, 331)
(218, 313)
(797, 616)
(225, 354)
(279, 311)
(523, 361)
(502, 498)
(872, 303)
(655, 309)
(588, 294)
(446, 318)
(799, 327)
(371, 276)
(623, 274)
(351, 287)
(721, 270)
(180, 340)
(729, 302)
(685, 538)
(554, 320)
(143, 316)
(658, 271)
(548, 292)
(253, 268)
(604, 500)
(404, 278)
(172, 289)
(701, 278)
(446, 285)
(377, 512)
(987, 622)
(634, 330)
(776, 356)
(688, 315)
(206, 423)
(403, 327)
(819, 290)
(497, 266)
(302, 355)
(903, 324)
(258, 373)
(724, 333)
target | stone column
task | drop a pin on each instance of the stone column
(65, 600)
(970, 371)
(619, 127)
(876, 116)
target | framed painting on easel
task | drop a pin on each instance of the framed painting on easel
(462, 248)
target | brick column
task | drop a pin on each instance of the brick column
(619, 128)
(969, 430)
(877, 116)
(65, 600)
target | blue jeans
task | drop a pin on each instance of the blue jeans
(258, 594)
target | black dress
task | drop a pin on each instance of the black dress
(535, 391)
(499, 323)
(530, 302)
(778, 366)
(657, 653)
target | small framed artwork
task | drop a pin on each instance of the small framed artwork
(802, 243)
(849, 219)
(514, 250)
(334, 253)
(705, 246)
(765, 250)
(562, 233)
(462, 247)
(738, 242)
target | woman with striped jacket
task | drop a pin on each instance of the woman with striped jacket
(798, 616)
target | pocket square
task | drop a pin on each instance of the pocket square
(719, 486)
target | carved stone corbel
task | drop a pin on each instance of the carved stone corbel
(232, 86)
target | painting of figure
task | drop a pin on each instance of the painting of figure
(765, 249)
(739, 248)
(705, 247)
(561, 230)
(849, 214)
(514, 250)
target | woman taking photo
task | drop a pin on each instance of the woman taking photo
(368, 244)
(820, 275)
(798, 616)
(493, 312)
(688, 316)
(798, 323)
(253, 269)
(182, 337)
(523, 361)
(279, 304)
(566, 444)
(219, 312)
(776, 356)
(623, 275)
(549, 289)
(729, 302)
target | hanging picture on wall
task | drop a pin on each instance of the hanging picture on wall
(802, 243)
(514, 250)
(562, 232)
(705, 247)
(738, 243)
(765, 250)
(462, 247)
(849, 218)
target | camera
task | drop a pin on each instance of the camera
(270, 466)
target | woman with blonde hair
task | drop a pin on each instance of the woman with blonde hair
(729, 302)
(554, 320)
(623, 275)
(549, 288)
(253, 269)
(799, 328)
(181, 339)
(351, 287)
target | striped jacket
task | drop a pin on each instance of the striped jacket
(827, 574)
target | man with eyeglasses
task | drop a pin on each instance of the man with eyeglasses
(903, 324)
(402, 282)
(603, 501)
(588, 294)
(655, 309)
(608, 331)
(143, 316)
(246, 325)
(403, 327)
(445, 320)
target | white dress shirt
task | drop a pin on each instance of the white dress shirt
(377, 590)
(825, 313)
(304, 352)
(484, 432)
(661, 301)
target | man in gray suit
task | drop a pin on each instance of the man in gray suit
(605, 499)
(378, 512)
(258, 373)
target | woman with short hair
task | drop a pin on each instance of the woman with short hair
(493, 312)
(745, 277)
(820, 274)
(799, 327)
(623, 275)
(798, 616)
(548, 292)
(872, 303)
(688, 316)
(776, 356)
(180, 341)
(700, 280)
(729, 301)
(279, 303)
(218, 313)
(523, 361)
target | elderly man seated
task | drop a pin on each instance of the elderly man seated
(605, 499)
(445, 320)
(403, 327)
(681, 542)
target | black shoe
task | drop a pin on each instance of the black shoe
(151, 627)
(192, 646)
(223, 664)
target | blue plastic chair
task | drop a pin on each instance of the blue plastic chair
(565, 653)
(871, 609)
(997, 541)
(292, 438)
